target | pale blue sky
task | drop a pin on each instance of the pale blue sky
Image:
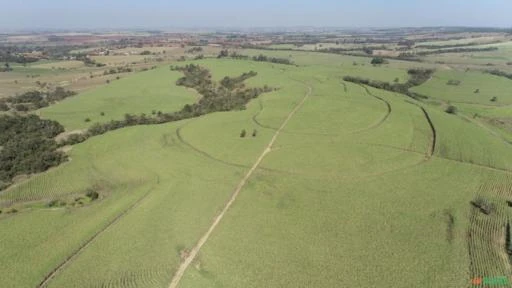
(71, 14)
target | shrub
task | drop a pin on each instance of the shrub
(87, 120)
(483, 205)
(453, 82)
(102, 113)
(378, 61)
(243, 133)
(254, 133)
(477, 91)
(93, 195)
(494, 99)
(21, 108)
(451, 109)
(3, 107)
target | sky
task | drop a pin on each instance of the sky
(79, 14)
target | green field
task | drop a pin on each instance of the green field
(360, 188)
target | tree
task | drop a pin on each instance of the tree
(494, 99)
(223, 53)
(254, 133)
(243, 133)
(451, 109)
(378, 61)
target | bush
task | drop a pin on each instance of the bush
(93, 195)
(483, 205)
(3, 107)
(254, 133)
(453, 82)
(378, 61)
(21, 108)
(494, 99)
(451, 109)
(243, 133)
(477, 91)
(102, 113)
(87, 120)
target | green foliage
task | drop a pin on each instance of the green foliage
(92, 194)
(483, 205)
(451, 109)
(243, 133)
(457, 50)
(500, 73)
(378, 61)
(32, 100)
(416, 78)
(194, 50)
(259, 58)
(27, 145)
(453, 82)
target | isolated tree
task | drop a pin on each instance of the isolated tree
(243, 133)
(494, 99)
(477, 91)
(451, 109)
(378, 61)
(254, 133)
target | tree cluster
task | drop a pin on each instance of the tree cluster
(33, 100)
(378, 61)
(88, 61)
(27, 146)
(194, 50)
(118, 70)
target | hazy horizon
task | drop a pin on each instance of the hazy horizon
(154, 14)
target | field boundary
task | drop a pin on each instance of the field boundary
(205, 154)
(388, 105)
(434, 133)
(86, 244)
(195, 250)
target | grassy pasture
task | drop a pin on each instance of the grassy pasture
(141, 93)
(489, 86)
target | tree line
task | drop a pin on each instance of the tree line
(457, 50)
(416, 78)
(33, 100)
(259, 58)
(500, 73)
